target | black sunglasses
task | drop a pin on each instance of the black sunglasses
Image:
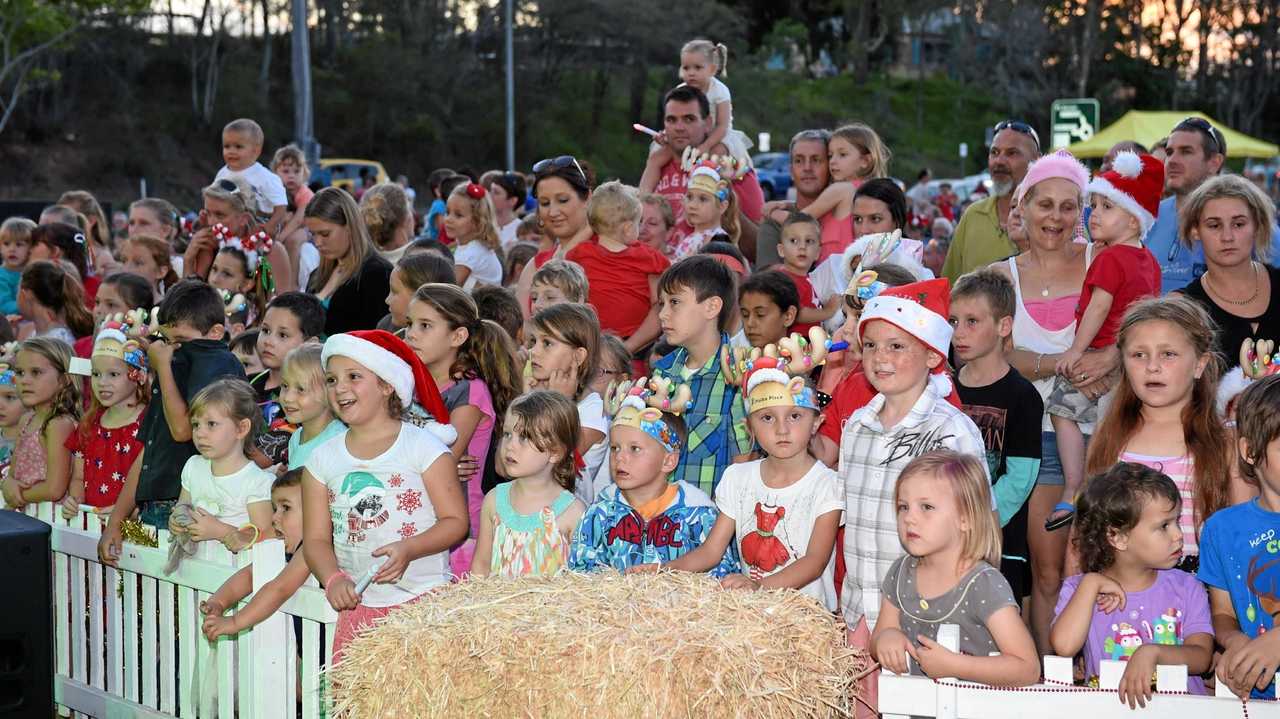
(229, 186)
(1020, 127)
(559, 163)
(1202, 125)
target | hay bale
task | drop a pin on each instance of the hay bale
(606, 645)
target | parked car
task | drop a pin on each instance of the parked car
(963, 187)
(345, 173)
(773, 170)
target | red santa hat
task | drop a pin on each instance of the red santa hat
(920, 309)
(1134, 183)
(394, 362)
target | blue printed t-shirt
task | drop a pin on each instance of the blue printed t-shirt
(1240, 554)
(429, 224)
(612, 534)
(1178, 265)
(1173, 608)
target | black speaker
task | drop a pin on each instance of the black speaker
(26, 623)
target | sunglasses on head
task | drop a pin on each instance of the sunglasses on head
(559, 163)
(1019, 127)
(229, 186)
(1202, 125)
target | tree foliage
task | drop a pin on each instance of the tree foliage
(31, 28)
(142, 86)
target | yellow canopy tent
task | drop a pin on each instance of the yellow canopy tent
(1148, 127)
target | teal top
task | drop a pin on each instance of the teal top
(528, 544)
(299, 451)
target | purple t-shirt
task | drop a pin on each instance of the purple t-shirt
(1171, 609)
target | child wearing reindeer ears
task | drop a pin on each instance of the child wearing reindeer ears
(187, 352)
(105, 447)
(381, 503)
(242, 267)
(645, 519)
(781, 511)
(710, 208)
(905, 337)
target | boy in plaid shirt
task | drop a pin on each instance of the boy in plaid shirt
(695, 302)
(905, 336)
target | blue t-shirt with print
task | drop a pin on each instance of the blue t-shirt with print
(1240, 554)
(429, 225)
(1178, 265)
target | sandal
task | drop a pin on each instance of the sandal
(1053, 524)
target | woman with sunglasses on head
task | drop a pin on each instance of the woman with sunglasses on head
(562, 185)
(229, 202)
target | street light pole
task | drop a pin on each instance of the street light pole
(511, 86)
(303, 124)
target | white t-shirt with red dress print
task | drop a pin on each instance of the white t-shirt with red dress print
(772, 526)
(374, 502)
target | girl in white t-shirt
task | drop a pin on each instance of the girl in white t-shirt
(227, 491)
(382, 503)
(563, 358)
(782, 511)
(700, 62)
(469, 221)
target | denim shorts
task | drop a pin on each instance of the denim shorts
(1050, 463)
(156, 513)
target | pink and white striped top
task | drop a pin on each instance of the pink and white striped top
(1179, 469)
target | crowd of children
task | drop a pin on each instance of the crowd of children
(649, 403)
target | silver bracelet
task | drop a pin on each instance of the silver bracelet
(1036, 372)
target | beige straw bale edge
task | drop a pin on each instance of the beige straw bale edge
(605, 645)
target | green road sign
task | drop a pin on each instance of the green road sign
(1073, 121)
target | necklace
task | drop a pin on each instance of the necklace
(1256, 287)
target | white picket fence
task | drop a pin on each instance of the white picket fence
(127, 640)
(904, 696)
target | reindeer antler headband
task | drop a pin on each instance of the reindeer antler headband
(640, 404)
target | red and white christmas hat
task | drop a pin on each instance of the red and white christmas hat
(920, 309)
(394, 362)
(1134, 182)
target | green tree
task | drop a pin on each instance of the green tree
(29, 29)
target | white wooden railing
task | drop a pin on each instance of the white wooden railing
(127, 640)
(904, 696)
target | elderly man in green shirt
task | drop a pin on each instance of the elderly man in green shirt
(980, 238)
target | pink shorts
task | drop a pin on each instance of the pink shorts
(352, 621)
(868, 686)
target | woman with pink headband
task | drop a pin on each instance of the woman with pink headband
(1047, 280)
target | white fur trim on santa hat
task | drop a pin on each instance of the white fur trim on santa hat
(1233, 383)
(941, 383)
(1102, 186)
(1127, 164)
(912, 317)
(393, 370)
(766, 374)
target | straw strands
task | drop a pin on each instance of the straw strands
(604, 645)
